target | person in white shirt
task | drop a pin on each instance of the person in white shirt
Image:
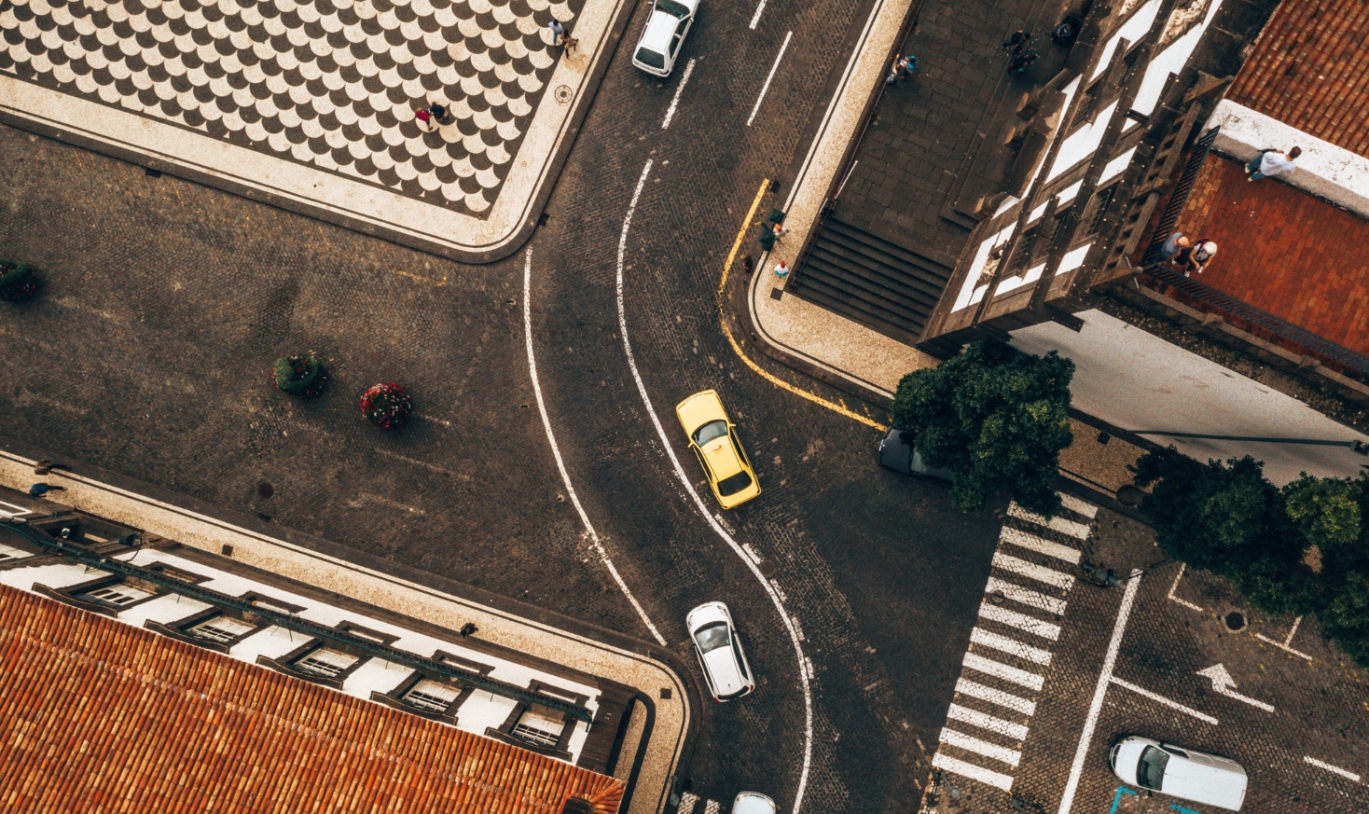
(1271, 163)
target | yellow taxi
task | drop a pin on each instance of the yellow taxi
(714, 440)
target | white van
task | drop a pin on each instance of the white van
(1194, 776)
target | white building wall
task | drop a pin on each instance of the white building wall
(1138, 382)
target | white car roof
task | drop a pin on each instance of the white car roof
(659, 29)
(1202, 778)
(726, 672)
(753, 802)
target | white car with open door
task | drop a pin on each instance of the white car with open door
(666, 27)
(720, 651)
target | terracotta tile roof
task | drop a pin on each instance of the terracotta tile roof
(97, 715)
(1283, 251)
(1310, 70)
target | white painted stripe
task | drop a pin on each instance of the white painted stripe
(1096, 706)
(687, 803)
(713, 807)
(1013, 647)
(1040, 545)
(1351, 776)
(991, 750)
(1183, 566)
(1127, 685)
(12, 510)
(675, 100)
(1060, 524)
(983, 720)
(990, 667)
(1021, 621)
(756, 18)
(989, 778)
(1025, 596)
(1074, 504)
(770, 587)
(964, 686)
(595, 542)
(766, 86)
(1029, 570)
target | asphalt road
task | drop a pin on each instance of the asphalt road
(167, 301)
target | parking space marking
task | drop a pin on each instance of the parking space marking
(595, 542)
(964, 686)
(1117, 798)
(1348, 775)
(756, 18)
(1025, 596)
(1078, 506)
(1021, 621)
(1287, 641)
(1013, 647)
(990, 750)
(983, 720)
(1183, 566)
(1040, 545)
(1127, 685)
(1104, 678)
(675, 100)
(1060, 524)
(996, 669)
(1040, 573)
(771, 76)
(989, 778)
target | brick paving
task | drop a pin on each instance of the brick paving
(1283, 251)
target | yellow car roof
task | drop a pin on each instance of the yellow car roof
(722, 458)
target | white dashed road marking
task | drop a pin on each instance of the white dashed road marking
(675, 100)
(1351, 776)
(771, 76)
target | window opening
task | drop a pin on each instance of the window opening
(221, 629)
(540, 726)
(432, 695)
(116, 596)
(326, 662)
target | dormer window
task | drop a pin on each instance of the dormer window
(221, 629)
(326, 662)
(540, 726)
(432, 696)
(119, 595)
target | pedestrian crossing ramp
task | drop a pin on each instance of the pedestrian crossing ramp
(1012, 643)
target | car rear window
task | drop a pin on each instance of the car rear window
(734, 484)
(1151, 771)
(712, 637)
(709, 431)
(672, 8)
(650, 58)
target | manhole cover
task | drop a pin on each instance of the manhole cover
(563, 93)
(767, 568)
(265, 489)
(1235, 622)
(1130, 495)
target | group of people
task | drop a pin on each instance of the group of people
(435, 114)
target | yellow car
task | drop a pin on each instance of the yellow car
(714, 441)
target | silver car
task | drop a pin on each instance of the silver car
(1194, 776)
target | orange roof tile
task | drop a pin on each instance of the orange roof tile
(1310, 69)
(99, 715)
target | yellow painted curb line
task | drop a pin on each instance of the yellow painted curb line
(737, 348)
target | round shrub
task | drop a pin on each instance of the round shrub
(18, 283)
(387, 405)
(302, 376)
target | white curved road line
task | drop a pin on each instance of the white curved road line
(771, 590)
(560, 464)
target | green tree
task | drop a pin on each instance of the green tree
(995, 417)
(1331, 514)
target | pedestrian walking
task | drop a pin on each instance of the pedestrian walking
(431, 116)
(1019, 50)
(895, 71)
(778, 230)
(1196, 258)
(781, 269)
(40, 489)
(908, 64)
(1176, 243)
(1271, 163)
(45, 466)
(570, 43)
(558, 32)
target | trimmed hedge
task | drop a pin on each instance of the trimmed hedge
(18, 283)
(302, 376)
(387, 405)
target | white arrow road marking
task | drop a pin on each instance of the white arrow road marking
(1224, 684)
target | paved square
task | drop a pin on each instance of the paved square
(313, 101)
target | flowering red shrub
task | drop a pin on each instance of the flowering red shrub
(387, 405)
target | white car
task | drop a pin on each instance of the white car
(665, 30)
(753, 802)
(720, 652)
(1194, 776)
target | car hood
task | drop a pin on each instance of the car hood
(1128, 757)
(1209, 785)
(705, 406)
(722, 665)
(749, 802)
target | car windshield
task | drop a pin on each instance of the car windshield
(1151, 772)
(712, 637)
(672, 8)
(734, 484)
(709, 431)
(646, 56)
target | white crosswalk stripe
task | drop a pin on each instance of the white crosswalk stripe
(973, 744)
(960, 751)
(1040, 573)
(1021, 621)
(713, 807)
(1031, 542)
(687, 803)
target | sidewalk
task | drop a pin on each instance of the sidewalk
(499, 620)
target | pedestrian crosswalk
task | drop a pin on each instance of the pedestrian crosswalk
(690, 804)
(1011, 643)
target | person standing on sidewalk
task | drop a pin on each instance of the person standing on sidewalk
(1271, 163)
(781, 269)
(431, 116)
(558, 32)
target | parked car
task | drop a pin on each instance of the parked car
(898, 451)
(1193, 776)
(753, 802)
(713, 438)
(720, 652)
(666, 27)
